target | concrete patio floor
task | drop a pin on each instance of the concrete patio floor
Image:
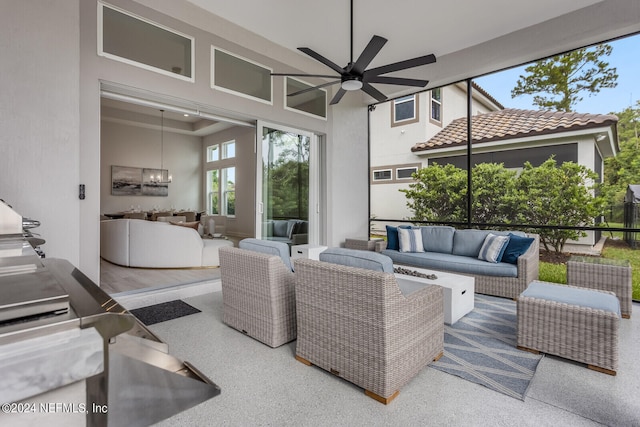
(264, 386)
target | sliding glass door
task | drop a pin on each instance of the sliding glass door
(287, 185)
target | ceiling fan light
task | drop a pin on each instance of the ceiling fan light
(351, 84)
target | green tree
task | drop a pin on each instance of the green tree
(624, 169)
(438, 194)
(557, 195)
(494, 193)
(547, 195)
(565, 77)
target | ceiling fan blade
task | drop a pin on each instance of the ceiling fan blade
(402, 65)
(338, 96)
(303, 75)
(396, 81)
(320, 58)
(309, 89)
(367, 55)
(373, 92)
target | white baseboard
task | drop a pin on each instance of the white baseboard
(150, 296)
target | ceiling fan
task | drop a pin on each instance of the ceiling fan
(355, 75)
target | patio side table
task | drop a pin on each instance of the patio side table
(603, 274)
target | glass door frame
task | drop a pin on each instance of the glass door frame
(314, 179)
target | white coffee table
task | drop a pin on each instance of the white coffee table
(458, 291)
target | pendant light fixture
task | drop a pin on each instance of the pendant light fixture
(163, 177)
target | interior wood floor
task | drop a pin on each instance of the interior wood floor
(115, 279)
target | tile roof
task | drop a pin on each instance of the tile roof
(512, 123)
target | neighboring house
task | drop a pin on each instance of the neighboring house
(396, 126)
(512, 136)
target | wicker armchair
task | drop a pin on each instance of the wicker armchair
(258, 294)
(356, 324)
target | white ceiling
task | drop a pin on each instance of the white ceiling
(469, 38)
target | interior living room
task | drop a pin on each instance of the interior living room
(206, 105)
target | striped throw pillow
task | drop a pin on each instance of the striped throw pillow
(410, 240)
(493, 248)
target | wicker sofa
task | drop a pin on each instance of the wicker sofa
(357, 324)
(456, 251)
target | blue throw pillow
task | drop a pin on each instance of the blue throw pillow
(517, 246)
(493, 248)
(393, 242)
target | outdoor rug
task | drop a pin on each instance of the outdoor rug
(481, 348)
(162, 312)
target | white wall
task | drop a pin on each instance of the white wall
(39, 118)
(126, 145)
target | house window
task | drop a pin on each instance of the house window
(240, 76)
(436, 106)
(221, 179)
(213, 153)
(134, 40)
(229, 191)
(406, 173)
(404, 110)
(229, 150)
(382, 175)
(213, 192)
(394, 174)
(313, 102)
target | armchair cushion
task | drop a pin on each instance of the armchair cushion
(359, 259)
(269, 247)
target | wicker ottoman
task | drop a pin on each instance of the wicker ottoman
(575, 323)
(604, 274)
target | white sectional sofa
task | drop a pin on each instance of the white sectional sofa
(153, 244)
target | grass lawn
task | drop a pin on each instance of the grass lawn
(613, 249)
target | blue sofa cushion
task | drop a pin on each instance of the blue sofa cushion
(453, 263)
(438, 238)
(573, 296)
(359, 259)
(468, 242)
(517, 246)
(493, 247)
(392, 236)
(269, 247)
(280, 228)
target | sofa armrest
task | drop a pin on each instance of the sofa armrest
(529, 262)
(299, 239)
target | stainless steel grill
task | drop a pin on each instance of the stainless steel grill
(42, 298)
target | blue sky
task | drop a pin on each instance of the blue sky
(625, 57)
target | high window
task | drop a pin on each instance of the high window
(221, 179)
(404, 110)
(313, 102)
(436, 106)
(134, 40)
(240, 76)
